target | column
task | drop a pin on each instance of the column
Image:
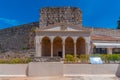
(92, 47)
(109, 50)
(40, 54)
(51, 48)
(63, 51)
(38, 47)
(87, 45)
(75, 54)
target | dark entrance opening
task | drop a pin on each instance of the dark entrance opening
(60, 54)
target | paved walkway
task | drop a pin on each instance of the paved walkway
(64, 78)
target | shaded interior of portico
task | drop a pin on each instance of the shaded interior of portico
(69, 46)
(46, 46)
(57, 46)
(80, 45)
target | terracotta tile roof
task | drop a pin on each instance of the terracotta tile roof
(104, 38)
(103, 31)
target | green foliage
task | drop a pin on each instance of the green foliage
(113, 57)
(84, 58)
(27, 60)
(24, 48)
(70, 58)
(15, 61)
(33, 29)
(104, 57)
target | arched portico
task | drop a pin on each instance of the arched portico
(80, 46)
(46, 46)
(60, 46)
(57, 46)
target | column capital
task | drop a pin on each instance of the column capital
(51, 38)
(63, 38)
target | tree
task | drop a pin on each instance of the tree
(118, 26)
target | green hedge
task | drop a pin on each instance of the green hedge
(15, 61)
(69, 58)
(84, 58)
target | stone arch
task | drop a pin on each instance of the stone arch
(69, 45)
(57, 46)
(80, 46)
(46, 46)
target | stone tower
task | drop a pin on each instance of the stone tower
(54, 15)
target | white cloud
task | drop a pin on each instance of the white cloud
(11, 22)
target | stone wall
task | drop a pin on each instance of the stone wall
(18, 37)
(60, 14)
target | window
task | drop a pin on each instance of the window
(116, 51)
(100, 50)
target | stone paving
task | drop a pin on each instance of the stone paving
(64, 78)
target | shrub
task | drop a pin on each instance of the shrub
(70, 58)
(3, 61)
(27, 60)
(119, 57)
(33, 29)
(15, 61)
(104, 57)
(24, 48)
(84, 58)
(110, 57)
(115, 57)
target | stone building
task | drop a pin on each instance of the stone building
(61, 32)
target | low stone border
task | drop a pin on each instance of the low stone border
(13, 70)
(39, 69)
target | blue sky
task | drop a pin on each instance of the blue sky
(95, 13)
